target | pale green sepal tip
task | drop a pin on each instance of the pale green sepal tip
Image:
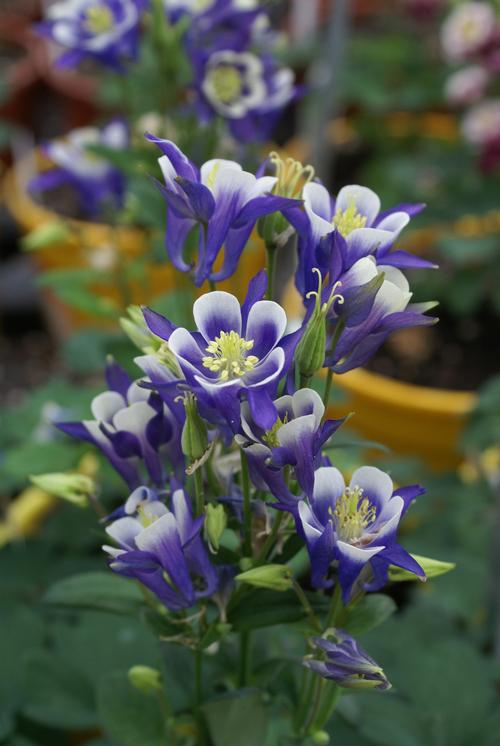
(75, 488)
(273, 577)
(145, 679)
(432, 568)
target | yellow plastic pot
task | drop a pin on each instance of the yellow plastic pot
(411, 420)
(89, 244)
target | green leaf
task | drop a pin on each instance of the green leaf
(239, 718)
(130, 717)
(96, 590)
(367, 614)
(57, 693)
(263, 608)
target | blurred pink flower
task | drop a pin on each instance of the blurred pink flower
(467, 29)
(467, 86)
(481, 124)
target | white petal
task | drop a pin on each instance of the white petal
(124, 531)
(367, 203)
(104, 406)
(308, 401)
(329, 484)
(216, 312)
(374, 482)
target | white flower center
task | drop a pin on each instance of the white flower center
(228, 356)
(353, 514)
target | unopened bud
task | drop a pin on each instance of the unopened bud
(432, 568)
(194, 439)
(145, 679)
(75, 488)
(274, 577)
(320, 738)
(215, 524)
(310, 354)
(138, 332)
(45, 236)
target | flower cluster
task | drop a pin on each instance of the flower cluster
(225, 445)
(470, 36)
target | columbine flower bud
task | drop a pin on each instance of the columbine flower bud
(320, 738)
(274, 577)
(75, 488)
(45, 236)
(145, 679)
(215, 524)
(138, 332)
(291, 176)
(432, 568)
(310, 354)
(194, 433)
(340, 658)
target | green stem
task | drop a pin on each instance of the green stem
(328, 388)
(308, 679)
(316, 703)
(212, 285)
(198, 693)
(304, 381)
(247, 509)
(335, 607)
(307, 606)
(245, 658)
(198, 489)
(270, 541)
(329, 700)
(271, 268)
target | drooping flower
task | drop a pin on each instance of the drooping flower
(467, 29)
(376, 302)
(345, 662)
(335, 232)
(134, 428)
(95, 180)
(354, 528)
(295, 439)
(163, 549)
(248, 90)
(104, 30)
(222, 199)
(235, 353)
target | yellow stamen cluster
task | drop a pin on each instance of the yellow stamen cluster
(228, 356)
(353, 514)
(271, 436)
(98, 19)
(291, 174)
(227, 83)
(347, 221)
(145, 517)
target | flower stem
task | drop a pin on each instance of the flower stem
(304, 381)
(269, 542)
(307, 606)
(212, 285)
(198, 693)
(247, 508)
(328, 388)
(198, 488)
(271, 268)
(245, 658)
(335, 607)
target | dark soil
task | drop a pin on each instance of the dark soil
(456, 353)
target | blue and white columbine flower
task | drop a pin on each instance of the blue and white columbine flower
(235, 353)
(345, 662)
(335, 232)
(221, 198)
(105, 30)
(295, 439)
(135, 430)
(94, 179)
(248, 90)
(376, 303)
(163, 549)
(354, 528)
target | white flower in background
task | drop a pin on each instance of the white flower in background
(481, 124)
(468, 27)
(467, 86)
